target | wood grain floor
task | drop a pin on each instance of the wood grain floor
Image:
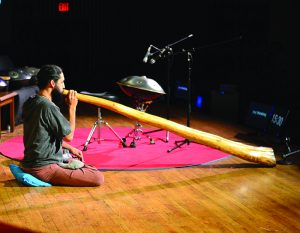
(232, 195)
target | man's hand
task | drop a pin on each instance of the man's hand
(74, 151)
(78, 153)
(72, 99)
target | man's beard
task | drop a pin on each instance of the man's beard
(57, 97)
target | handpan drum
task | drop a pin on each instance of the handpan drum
(22, 76)
(141, 88)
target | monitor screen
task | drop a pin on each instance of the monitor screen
(259, 115)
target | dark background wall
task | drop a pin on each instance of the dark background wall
(97, 43)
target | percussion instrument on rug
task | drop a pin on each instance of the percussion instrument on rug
(143, 90)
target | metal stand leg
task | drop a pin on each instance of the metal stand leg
(136, 135)
(157, 130)
(179, 144)
(286, 160)
(137, 130)
(99, 123)
(90, 136)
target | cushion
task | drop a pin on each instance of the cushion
(25, 178)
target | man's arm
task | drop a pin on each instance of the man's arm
(72, 102)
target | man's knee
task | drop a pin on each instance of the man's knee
(99, 179)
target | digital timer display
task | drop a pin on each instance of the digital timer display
(277, 120)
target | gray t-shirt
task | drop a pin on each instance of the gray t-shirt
(44, 129)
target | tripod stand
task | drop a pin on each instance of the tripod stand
(188, 110)
(166, 52)
(98, 123)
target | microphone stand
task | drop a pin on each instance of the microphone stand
(190, 59)
(167, 52)
(189, 108)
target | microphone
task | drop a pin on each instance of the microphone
(145, 59)
(159, 56)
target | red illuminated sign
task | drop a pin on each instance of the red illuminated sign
(63, 7)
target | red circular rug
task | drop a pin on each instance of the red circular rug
(109, 154)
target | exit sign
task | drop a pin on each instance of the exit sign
(63, 6)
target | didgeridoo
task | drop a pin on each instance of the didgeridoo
(260, 155)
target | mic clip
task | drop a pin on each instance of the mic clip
(163, 53)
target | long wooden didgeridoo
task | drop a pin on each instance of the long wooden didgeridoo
(261, 155)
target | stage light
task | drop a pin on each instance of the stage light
(63, 7)
(199, 101)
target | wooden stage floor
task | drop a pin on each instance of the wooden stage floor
(232, 195)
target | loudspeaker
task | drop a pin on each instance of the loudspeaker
(225, 105)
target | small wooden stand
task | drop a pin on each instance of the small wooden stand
(5, 99)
